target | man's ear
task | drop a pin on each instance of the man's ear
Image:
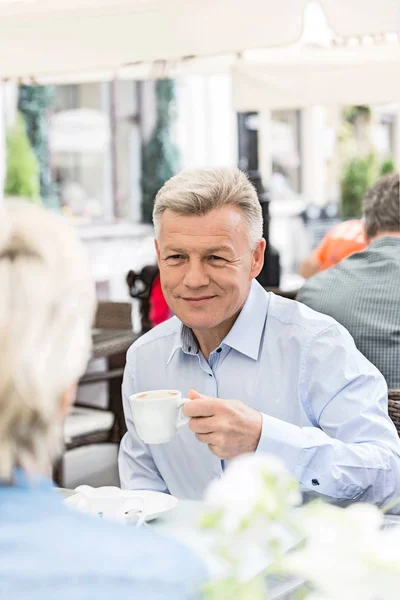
(258, 258)
(157, 247)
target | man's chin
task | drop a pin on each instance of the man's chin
(198, 324)
(197, 318)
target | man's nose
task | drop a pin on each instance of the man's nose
(195, 276)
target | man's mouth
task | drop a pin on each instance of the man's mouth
(197, 300)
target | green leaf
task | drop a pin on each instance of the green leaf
(358, 175)
(211, 520)
(34, 102)
(22, 175)
(230, 589)
(159, 154)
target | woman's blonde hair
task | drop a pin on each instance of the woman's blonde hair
(47, 304)
(196, 192)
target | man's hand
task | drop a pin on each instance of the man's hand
(228, 427)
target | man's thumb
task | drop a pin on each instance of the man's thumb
(193, 395)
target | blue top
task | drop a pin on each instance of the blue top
(324, 405)
(49, 552)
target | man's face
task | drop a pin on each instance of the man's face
(206, 265)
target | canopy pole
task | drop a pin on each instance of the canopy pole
(265, 145)
(313, 123)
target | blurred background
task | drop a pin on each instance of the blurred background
(101, 103)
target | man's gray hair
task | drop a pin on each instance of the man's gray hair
(382, 206)
(197, 192)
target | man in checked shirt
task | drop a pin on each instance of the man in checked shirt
(362, 292)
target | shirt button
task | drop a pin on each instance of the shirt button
(315, 481)
(219, 350)
(210, 374)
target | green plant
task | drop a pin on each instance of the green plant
(359, 174)
(34, 102)
(353, 113)
(22, 175)
(159, 154)
(388, 166)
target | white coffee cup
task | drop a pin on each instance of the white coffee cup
(157, 415)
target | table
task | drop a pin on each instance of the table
(174, 522)
(180, 521)
(108, 342)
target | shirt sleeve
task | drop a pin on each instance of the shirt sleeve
(137, 469)
(322, 248)
(352, 451)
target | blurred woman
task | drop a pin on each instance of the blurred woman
(47, 305)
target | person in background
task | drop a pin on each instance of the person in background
(47, 551)
(363, 291)
(340, 241)
(145, 288)
(159, 309)
(264, 373)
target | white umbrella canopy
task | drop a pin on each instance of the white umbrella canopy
(362, 17)
(299, 77)
(39, 38)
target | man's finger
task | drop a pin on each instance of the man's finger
(201, 408)
(202, 424)
(208, 438)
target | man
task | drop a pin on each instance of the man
(363, 291)
(47, 551)
(265, 374)
(341, 241)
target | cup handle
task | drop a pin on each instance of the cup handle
(182, 419)
(136, 504)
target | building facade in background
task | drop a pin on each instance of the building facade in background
(96, 135)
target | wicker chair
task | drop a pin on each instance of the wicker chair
(92, 425)
(394, 408)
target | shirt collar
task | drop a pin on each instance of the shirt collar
(184, 341)
(246, 333)
(387, 240)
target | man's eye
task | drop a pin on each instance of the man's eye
(214, 258)
(175, 257)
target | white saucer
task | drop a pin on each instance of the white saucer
(154, 503)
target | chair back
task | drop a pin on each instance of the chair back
(114, 315)
(394, 408)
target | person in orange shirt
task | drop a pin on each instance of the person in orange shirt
(340, 241)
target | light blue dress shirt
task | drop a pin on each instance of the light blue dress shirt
(324, 405)
(49, 552)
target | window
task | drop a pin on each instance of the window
(285, 146)
(95, 151)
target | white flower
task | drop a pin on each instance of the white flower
(347, 556)
(252, 484)
(248, 515)
(253, 519)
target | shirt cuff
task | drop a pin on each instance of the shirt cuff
(281, 439)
